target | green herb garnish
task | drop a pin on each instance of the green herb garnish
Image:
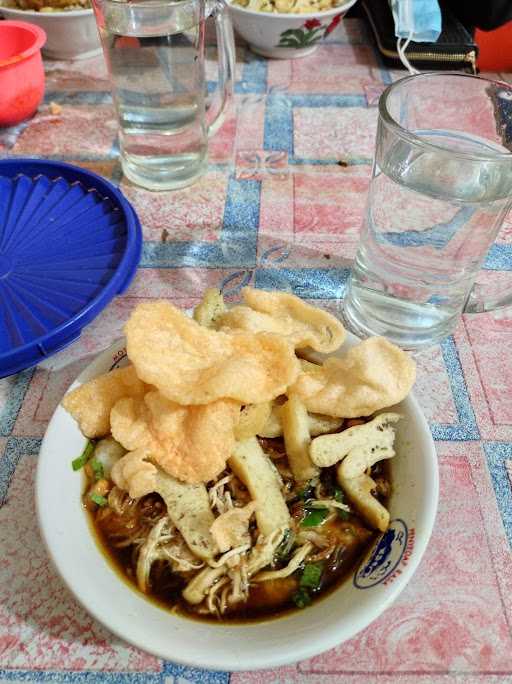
(84, 457)
(340, 498)
(301, 598)
(284, 549)
(97, 469)
(315, 517)
(98, 499)
(306, 492)
(311, 576)
(338, 495)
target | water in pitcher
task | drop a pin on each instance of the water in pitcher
(159, 94)
(426, 228)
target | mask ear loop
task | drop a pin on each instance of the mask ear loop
(401, 53)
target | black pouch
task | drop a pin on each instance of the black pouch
(454, 50)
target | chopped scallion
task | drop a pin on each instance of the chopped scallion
(340, 497)
(311, 576)
(315, 517)
(97, 469)
(301, 598)
(306, 492)
(84, 457)
(98, 499)
(284, 549)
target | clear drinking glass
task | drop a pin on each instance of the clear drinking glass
(441, 187)
(155, 56)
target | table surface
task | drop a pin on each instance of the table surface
(280, 207)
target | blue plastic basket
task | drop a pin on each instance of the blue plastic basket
(69, 242)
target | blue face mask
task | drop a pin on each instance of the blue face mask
(418, 20)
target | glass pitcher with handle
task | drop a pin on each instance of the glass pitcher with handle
(155, 54)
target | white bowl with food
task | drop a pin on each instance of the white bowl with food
(224, 514)
(69, 25)
(286, 29)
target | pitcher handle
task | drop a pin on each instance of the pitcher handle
(479, 300)
(226, 59)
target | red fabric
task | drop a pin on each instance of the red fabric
(495, 48)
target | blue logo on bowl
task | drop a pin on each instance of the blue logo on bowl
(394, 546)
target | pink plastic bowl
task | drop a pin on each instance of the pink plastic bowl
(21, 70)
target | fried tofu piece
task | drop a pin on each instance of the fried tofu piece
(372, 438)
(210, 309)
(187, 505)
(297, 439)
(189, 509)
(359, 493)
(254, 468)
(253, 419)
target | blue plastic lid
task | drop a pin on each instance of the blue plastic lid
(69, 243)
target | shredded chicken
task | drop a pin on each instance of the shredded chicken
(229, 555)
(238, 491)
(328, 503)
(231, 528)
(324, 545)
(213, 601)
(204, 584)
(263, 552)
(220, 499)
(241, 553)
(119, 500)
(148, 551)
(164, 543)
(324, 554)
(315, 538)
(200, 585)
(295, 562)
(181, 558)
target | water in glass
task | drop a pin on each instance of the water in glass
(154, 51)
(437, 199)
(424, 236)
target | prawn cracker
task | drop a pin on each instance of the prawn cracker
(287, 315)
(91, 403)
(372, 375)
(191, 364)
(191, 443)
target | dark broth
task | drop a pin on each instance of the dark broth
(271, 599)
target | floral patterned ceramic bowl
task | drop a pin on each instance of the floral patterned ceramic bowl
(285, 36)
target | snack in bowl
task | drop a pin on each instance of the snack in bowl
(48, 5)
(288, 6)
(213, 479)
(69, 25)
(286, 29)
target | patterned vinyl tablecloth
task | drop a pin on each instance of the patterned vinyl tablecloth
(280, 207)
